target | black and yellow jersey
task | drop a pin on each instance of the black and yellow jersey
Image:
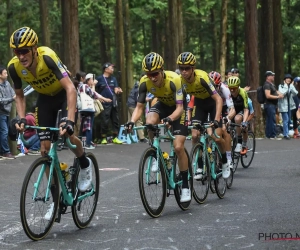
(49, 72)
(170, 93)
(240, 101)
(202, 87)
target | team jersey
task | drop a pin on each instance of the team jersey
(202, 87)
(250, 106)
(49, 72)
(240, 101)
(170, 93)
(224, 92)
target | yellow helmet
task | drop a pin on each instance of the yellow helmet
(186, 58)
(152, 61)
(233, 82)
(23, 37)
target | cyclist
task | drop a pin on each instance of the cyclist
(207, 103)
(228, 111)
(41, 68)
(240, 100)
(169, 109)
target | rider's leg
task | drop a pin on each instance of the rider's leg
(238, 120)
(227, 139)
(152, 118)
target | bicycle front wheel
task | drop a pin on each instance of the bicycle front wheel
(248, 157)
(152, 184)
(220, 182)
(83, 210)
(201, 185)
(178, 177)
(234, 155)
(38, 213)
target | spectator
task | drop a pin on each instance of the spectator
(272, 96)
(108, 87)
(131, 104)
(7, 96)
(235, 72)
(33, 143)
(87, 126)
(227, 75)
(286, 104)
(294, 111)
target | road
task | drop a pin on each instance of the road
(262, 205)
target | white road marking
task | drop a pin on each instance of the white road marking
(104, 183)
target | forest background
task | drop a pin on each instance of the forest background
(252, 35)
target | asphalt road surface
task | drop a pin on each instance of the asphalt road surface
(261, 211)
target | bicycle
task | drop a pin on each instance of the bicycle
(166, 178)
(247, 158)
(41, 190)
(207, 149)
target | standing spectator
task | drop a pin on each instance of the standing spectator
(33, 143)
(235, 72)
(294, 111)
(272, 96)
(227, 75)
(108, 87)
(7, 96)
(131, 104)
(286, 104)
(87, 126)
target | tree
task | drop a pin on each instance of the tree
(223, 39)
(70, 27)
(251, 59)
(44, 23)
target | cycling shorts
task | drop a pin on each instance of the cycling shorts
(179, 126)
(47, 112)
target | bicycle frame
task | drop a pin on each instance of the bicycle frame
(204, 137)
(159, 156)
(54, 160)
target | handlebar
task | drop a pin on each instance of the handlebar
(56, 130)
(203, 127)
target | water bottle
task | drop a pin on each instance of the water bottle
(65, 171)
(210, 155)
(167, 160)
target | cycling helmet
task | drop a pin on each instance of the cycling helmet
(186, 58)
(152, 61)
(216, 77)
(233, 82)
(297, 79)
(23, 37)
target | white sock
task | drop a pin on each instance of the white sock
(228, 155)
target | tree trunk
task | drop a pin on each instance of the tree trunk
(103, 48)
(267, 38)
(214, 40)
(154, 35)
(13, 112)
(223, 44)
(278, 42)
(44, 14)
(180, 26)
(121, 59)
(251, 61)
(235, 36)
(70, 35)
(128, 49)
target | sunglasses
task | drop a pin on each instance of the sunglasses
(154, 74)
(187, 68)
(21, 51)
(233, 88)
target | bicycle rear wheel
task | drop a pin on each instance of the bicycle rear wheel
(220, 182)
(246, 159)
(229, 180)
(152, 185)
(33, 212)
(83, 211)
(200, 186)
(178, 177)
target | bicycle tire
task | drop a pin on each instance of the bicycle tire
(251, 150)
(234, 156)
(220, 182)
(204, 183)
(30, 222)
(177, 177)
(89, 203)
(229, 180)
(147, 179)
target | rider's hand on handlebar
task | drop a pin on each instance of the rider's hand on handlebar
(167, 121)
(20, 126)
(128, 127)
(215, 123)
(66, 126)
(244, 124)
